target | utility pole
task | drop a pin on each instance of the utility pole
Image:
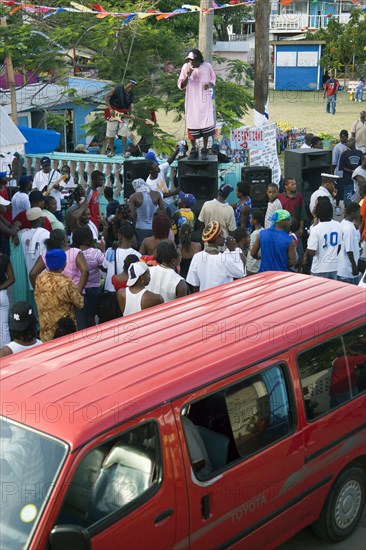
(261, 67)
(205, 38)
(11, 79)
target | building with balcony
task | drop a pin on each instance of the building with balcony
(286, 22)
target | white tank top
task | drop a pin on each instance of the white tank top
(133, 301)
(16, 348)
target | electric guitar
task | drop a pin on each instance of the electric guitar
(63, 178)
(121, 114)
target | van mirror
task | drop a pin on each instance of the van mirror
(73, 537)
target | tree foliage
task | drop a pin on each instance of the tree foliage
(150, 51)
(345, 43)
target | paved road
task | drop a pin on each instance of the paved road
(305, 540)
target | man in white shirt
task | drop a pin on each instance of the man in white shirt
(326, 189)
(20, 201)
(158, 176)
(115, 257)
(33, 239)
(350, 248)
(220, 211)
(359, 177)
(358, 131)
(274, 203)
(46, 181)
(324, 240)
(307, 141)
(211, 268)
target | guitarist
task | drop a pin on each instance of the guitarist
(46, 180)
(119, 99)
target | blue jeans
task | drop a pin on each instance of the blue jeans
(326, 275)
(350, 280)
(358, 95)
(331, 104)
(349, 193)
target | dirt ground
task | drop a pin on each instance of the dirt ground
(300, 109)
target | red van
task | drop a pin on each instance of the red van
(232, 418)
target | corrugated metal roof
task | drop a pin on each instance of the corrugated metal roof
(75, 389)
(9, 133)
(46, 96)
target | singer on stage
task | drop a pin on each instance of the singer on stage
(198, 78)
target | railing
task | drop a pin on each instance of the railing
(302, 21)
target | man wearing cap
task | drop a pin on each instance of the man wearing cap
(211, 267)
(350, 159)
(143, 204)
(157, 177)
(184, 213)
(23, 329)
(33, 239)
(56, 295)
(277, 248)
(119, 99)
(358, 131)
(135, 297)
(359, 178)
(219, 210)
(198, 79)
(330, 92)
(327, 188)
(48, 181)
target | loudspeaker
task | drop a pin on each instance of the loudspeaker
(306, 166)
(258, 177)
(133, 169)
(199, 177)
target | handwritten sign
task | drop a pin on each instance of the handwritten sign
(247, 138)
(267, 156)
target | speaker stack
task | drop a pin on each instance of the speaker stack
(306, 166)
(258, 177)
(200, 178)
(132, 170)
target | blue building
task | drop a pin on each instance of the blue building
(296, 65)
(74, 100)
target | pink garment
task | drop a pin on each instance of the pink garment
(71, 270)
(198, 103)
(94, 258)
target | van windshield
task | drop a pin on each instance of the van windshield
(29, 463)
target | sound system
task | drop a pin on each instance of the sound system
(258, 177)
(132, 170)
(306, 166)
(200, 178)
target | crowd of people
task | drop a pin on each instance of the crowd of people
(66, 269)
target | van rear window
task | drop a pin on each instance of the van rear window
(333, 372)
(238, 421)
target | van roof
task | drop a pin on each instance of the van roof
(80, 385)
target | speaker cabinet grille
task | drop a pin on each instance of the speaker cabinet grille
(258, 177)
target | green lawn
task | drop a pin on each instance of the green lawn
(300, 109)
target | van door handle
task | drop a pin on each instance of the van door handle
(163, 515)
(205, 506)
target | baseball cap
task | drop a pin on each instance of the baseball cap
(343, 133)
(225, 190)
(2, 174)
(151, 156)
(4, 202)
(329, 176)
(190, 55)
(45, 160)
(55, 259)
(21, 315)
(81, 148)
(135, 271)
(36, 196)
(188, 199)
(34, 214)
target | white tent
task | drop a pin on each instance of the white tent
(11, 141)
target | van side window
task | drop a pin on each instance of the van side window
(237, 422)
(111, 477)
(333, 372)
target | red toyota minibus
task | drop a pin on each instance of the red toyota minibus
(232, 418)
